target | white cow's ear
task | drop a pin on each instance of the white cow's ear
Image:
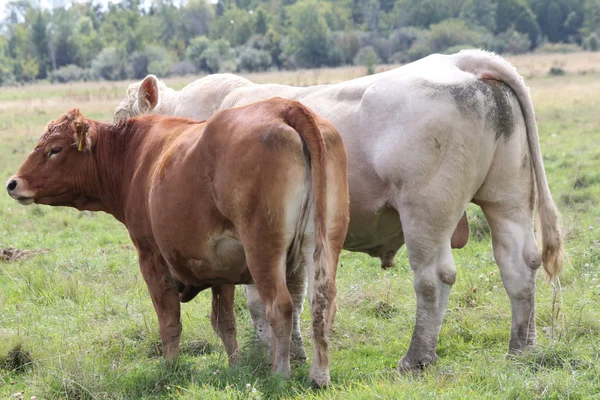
(148, 94)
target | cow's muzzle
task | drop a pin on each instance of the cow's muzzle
(16, 188)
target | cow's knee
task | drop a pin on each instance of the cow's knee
(446, 271)
(428, 280)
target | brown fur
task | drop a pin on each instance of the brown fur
(206, 205)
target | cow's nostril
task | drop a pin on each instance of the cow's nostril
(11, 185)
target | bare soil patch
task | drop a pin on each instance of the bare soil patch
(9, 254)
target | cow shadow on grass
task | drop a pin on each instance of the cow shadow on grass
(197, 371)
(200, 371)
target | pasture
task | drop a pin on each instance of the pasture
(76, 321)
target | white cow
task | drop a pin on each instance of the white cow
(423, 141)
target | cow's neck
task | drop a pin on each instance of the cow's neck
(115, 155)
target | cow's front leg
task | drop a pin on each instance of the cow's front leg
(165, 297)
(222, 318)
(435, 274)
(427, 236)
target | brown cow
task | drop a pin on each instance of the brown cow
(244, 197)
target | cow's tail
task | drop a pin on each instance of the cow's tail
(303, 121)
(490, 66)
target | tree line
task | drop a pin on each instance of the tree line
(127, 40)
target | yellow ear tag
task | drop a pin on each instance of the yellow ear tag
(81, 144)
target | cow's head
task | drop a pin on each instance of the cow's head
(52, 172)
(141, 98)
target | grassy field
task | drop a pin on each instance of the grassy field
(76, 321)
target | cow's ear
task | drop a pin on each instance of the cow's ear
(148, 94)
(83, 135)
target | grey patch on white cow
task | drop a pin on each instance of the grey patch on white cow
(474, 98)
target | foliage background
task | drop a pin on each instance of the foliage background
(127, 40)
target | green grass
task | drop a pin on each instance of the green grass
(76, 321)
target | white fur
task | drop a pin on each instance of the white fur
(414, 153)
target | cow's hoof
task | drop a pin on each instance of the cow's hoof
(411, 364)
(284, 370)
(234, 359)
(319, 381)
(517, 346)
(297, 353)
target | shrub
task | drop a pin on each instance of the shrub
(419, 49)
(151, 60)
(452, 32)
(349, 44)
(219, 57)
(510, 41)
(401, 57)
(367, 57)
(185, 67)
(402, 39)
(251, 59)
(195, 50)
(69, 73)
(109, 65)
(6, 75)
(558, 48)
(591, 42)
(259, 42)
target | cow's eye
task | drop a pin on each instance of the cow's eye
(54, 151)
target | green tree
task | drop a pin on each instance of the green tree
(422, 13)
(235, 25)
(479, 13)
(40, 41)
(559, 20)
(310, 39)
(198, 16)
(220, 57)
(86, 41)
(450, 33)
(260, 23)
(195, 51)
(517, 14)
(591, 20)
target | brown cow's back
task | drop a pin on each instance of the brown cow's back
(240, 198)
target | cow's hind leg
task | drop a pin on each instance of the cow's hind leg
(222, 318)
(427, 234)
(258, 313)
(268, 272)
(296, 283)
(507, 199)
(518, 258)
(321, 294)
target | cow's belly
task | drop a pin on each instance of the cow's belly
(220, 261)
